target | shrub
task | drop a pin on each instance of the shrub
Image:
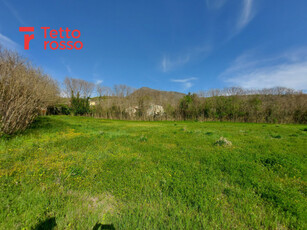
(59, 109)
(189, 107)
(79, 92)
(300, 116)
(80, 106)
(143, 138)
(223, 142)
(24, 91)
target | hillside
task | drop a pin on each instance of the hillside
(157, 96)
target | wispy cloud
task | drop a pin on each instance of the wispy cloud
(98, 82)
(186, 82)
(14, 12)
(288, 69)
(246, 15)
(8, 43)
(170, 63)
(215, 4)
(66, 65)
(68, 69)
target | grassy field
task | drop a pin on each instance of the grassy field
(82, 173)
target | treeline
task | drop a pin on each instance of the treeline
(238, 91)
(26, 92)
(289, 108)
(274, 105)
(264, 108)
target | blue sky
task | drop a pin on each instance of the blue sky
(173, 45)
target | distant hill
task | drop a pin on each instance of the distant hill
(157, 96)
(149, 96)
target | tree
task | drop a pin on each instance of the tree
(79, 87)
(24, 91)
(80, 106)
(189, 106)
(79, 92)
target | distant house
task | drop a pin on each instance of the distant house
(155, 110)
(92, 103)
(132, 110)
(152, 111)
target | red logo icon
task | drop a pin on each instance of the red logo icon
(27, 37)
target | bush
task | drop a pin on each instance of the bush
(58, 110)
(80, 106)
(24, 91)
(300, 116)
(189, 106)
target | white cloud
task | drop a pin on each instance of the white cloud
(186, 83)
(184, 80)
(98, 82)
(288, 70)
(168, 63)
(8, 43)
(286, 75)
(215, 4)
(68, 69)
(66, 65)
(246, 15)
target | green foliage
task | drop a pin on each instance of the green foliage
(80, 171)
(79, 105)
(251, 108)
(59, 109)
(143, 139)
(261, 108)
(141, 107)
(188, 107)
(300, 116)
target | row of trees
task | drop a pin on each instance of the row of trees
(79, 92)
(238, 91)
(266, 108)
(279, 104)
(250, 108)
(24, 91)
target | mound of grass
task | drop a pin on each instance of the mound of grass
(223, 142)
(85, 173)
(143, 139)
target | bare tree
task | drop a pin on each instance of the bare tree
(24, 91)
(82, 88)
(123, 90)
(103, 91)
(87, 88)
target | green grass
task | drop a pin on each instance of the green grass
(78, 172)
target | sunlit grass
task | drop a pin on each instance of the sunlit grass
(153, 175)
